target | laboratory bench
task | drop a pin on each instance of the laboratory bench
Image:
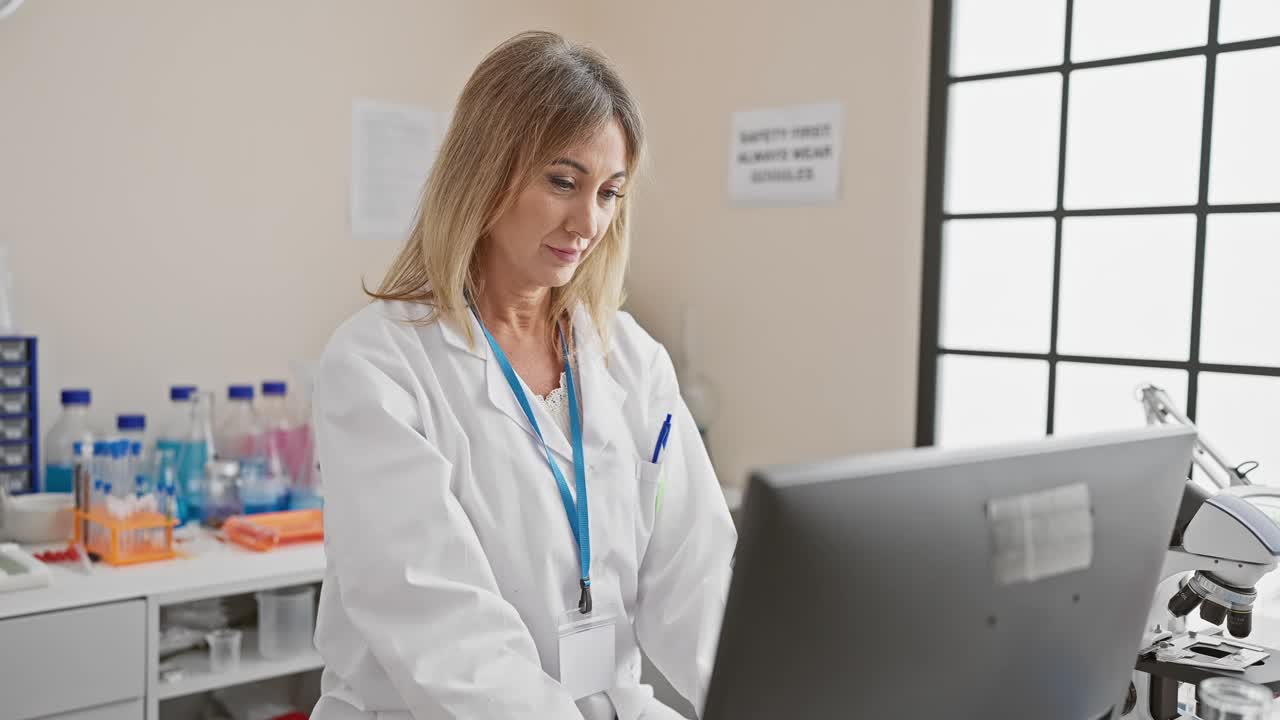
(86, 647)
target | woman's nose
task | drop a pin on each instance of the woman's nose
(582, 221)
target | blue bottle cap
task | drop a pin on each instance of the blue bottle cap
(274, 387)
(76, 447)
(131, 422)
(135, 448)
(76, 396)
(101, 447)
(240, 392)
(179, 393)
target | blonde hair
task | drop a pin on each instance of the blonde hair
(532, 98)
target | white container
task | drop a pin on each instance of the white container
(224, 650)
(37, 518)
(286, 621)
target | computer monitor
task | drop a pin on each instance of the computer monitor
(1010, 583)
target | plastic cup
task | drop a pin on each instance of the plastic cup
(286, 621)
(224, 650)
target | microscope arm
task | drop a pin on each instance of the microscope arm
(1179, 561)
(1160, 410)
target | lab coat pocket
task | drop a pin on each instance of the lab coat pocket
(651, 482)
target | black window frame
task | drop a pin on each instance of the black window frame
(940, 83)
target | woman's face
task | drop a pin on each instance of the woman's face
(560, 217)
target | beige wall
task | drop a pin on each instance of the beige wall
(809, 316)
(173, 184)
(173, 174)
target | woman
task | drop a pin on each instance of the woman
(500, 543)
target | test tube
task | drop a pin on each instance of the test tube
(101, 469)
(113, 487)
(169, 506)
(108, 510)
(95, 503)
(123, 480)
(82, 485)
(139, 504)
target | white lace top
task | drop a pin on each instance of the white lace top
(556, 403)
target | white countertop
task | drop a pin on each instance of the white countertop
(209, 568)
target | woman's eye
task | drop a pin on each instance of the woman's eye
(562, 183)
(610, 194)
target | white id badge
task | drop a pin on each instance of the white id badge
(587, 660)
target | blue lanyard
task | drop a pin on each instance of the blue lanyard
(577, 515)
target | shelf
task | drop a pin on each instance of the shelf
(253, 667)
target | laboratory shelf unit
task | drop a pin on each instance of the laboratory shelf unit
(115, 612)
(253, 667)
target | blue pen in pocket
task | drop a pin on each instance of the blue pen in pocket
(662, 439)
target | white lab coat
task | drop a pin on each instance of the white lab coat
(449, 553)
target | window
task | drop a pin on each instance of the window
(1102, 213)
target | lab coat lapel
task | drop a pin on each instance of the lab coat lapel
(499, 393)
(453, 336)
(602, 396)
(504, 399)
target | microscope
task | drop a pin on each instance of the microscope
(1223, 543)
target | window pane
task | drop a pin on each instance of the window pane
(1238, 324)
(1002, 146)
(984, 401)
(994, 35)
(1245, 155)
(1126, 286)
(997, 284)
(1115, 28)
(1093, 398)
(1240, 416)
(1248, 19)
(1133, 134)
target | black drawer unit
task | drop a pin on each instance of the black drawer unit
(19, 415)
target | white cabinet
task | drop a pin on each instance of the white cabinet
(89, 657)
(87, 646)
(127, 710)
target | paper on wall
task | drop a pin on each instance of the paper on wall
(392, 149)
(786, 156)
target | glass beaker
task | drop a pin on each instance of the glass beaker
(221, 492)
(1225, 698)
